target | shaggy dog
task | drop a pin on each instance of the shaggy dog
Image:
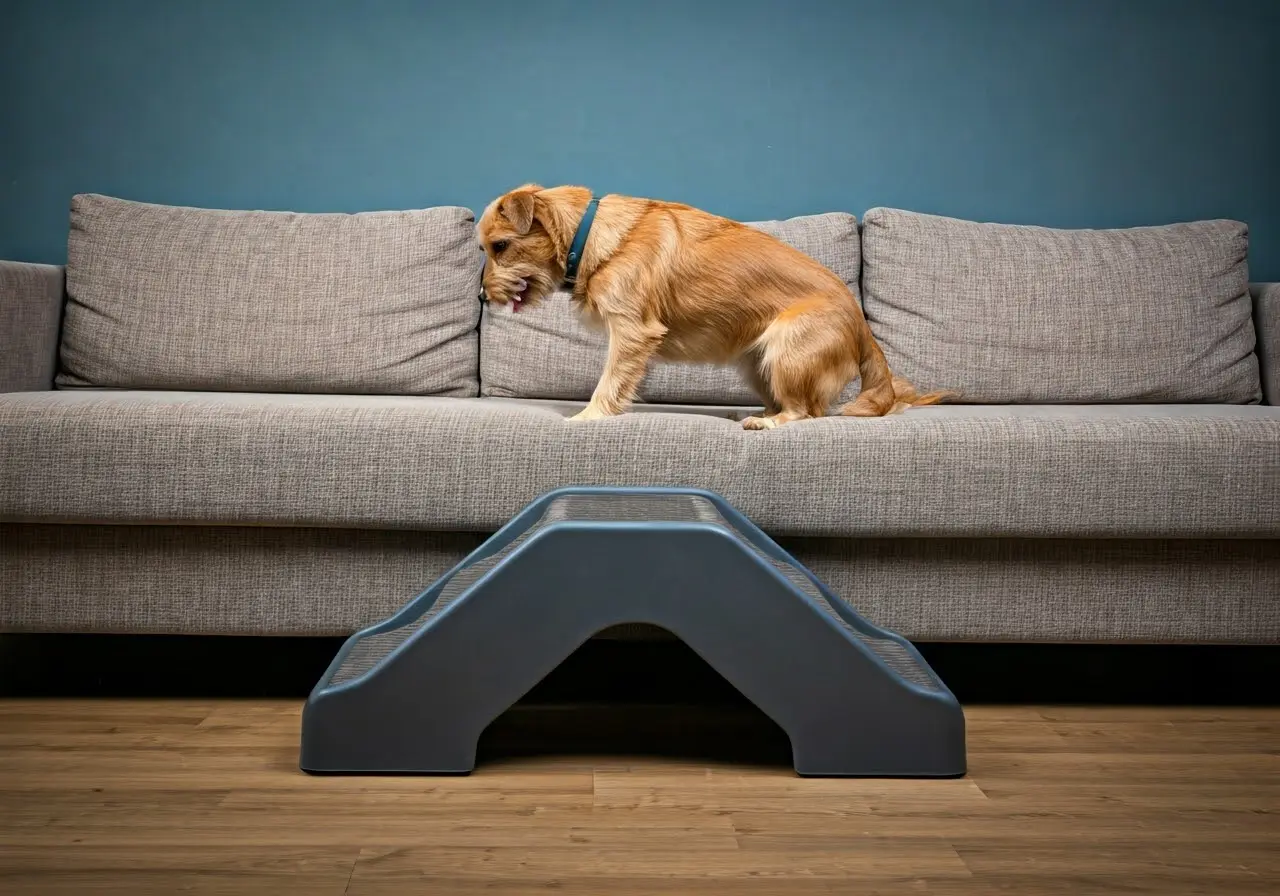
(669, 281)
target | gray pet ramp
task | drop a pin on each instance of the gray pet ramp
(413, 694)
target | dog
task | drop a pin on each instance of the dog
(667, 280)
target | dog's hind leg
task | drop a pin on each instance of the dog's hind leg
(806, 359)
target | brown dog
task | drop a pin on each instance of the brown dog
(670, 281)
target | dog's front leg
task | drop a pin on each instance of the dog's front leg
(632, 344)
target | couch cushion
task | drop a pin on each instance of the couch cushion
(470, 464)
(1008, 313)
(1266, 321)
(548, 352)
(163, 297)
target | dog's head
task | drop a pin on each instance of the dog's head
(524, 247)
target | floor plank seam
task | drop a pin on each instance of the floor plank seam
(346, 890)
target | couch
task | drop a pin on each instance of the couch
(226, 422)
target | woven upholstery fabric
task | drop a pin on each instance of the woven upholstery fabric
(1005, 313)
(30, 311)
(471, 464)
(214, 580)
(1003, 589)
(548, 352)
(1266, 320)
(279, 581)
(162, 297)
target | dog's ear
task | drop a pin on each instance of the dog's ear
(517, 208)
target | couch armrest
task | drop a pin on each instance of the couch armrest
(1266, 323)
(30, 317)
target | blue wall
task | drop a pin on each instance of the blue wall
(1089, 113)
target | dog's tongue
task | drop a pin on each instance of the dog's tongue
(517, 300)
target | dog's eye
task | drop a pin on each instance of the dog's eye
(498, 246)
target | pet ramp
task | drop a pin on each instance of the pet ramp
(412, 694)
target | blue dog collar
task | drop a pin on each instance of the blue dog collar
(580, 242)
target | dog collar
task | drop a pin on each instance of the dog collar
(580, 242)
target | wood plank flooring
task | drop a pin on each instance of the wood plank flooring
(160, 796)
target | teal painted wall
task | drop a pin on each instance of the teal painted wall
(1075, 113)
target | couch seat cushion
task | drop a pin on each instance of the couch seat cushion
(470, 464)
(164, 297)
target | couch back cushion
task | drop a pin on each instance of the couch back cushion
(548, 352)
(163, 297)
(1021, 314)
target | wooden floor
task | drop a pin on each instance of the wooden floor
(177, 796)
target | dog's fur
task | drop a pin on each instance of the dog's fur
(670, 281)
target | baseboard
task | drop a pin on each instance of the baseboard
(606, 672)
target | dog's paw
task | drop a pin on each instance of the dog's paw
(588, 413)
(758, 423)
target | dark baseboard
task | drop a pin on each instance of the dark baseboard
(605, 672)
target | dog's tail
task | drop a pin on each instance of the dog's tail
(908, 396)
(882, 393)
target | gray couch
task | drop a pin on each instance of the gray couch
(277, 423)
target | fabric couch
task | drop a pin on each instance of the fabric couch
(282, 423)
